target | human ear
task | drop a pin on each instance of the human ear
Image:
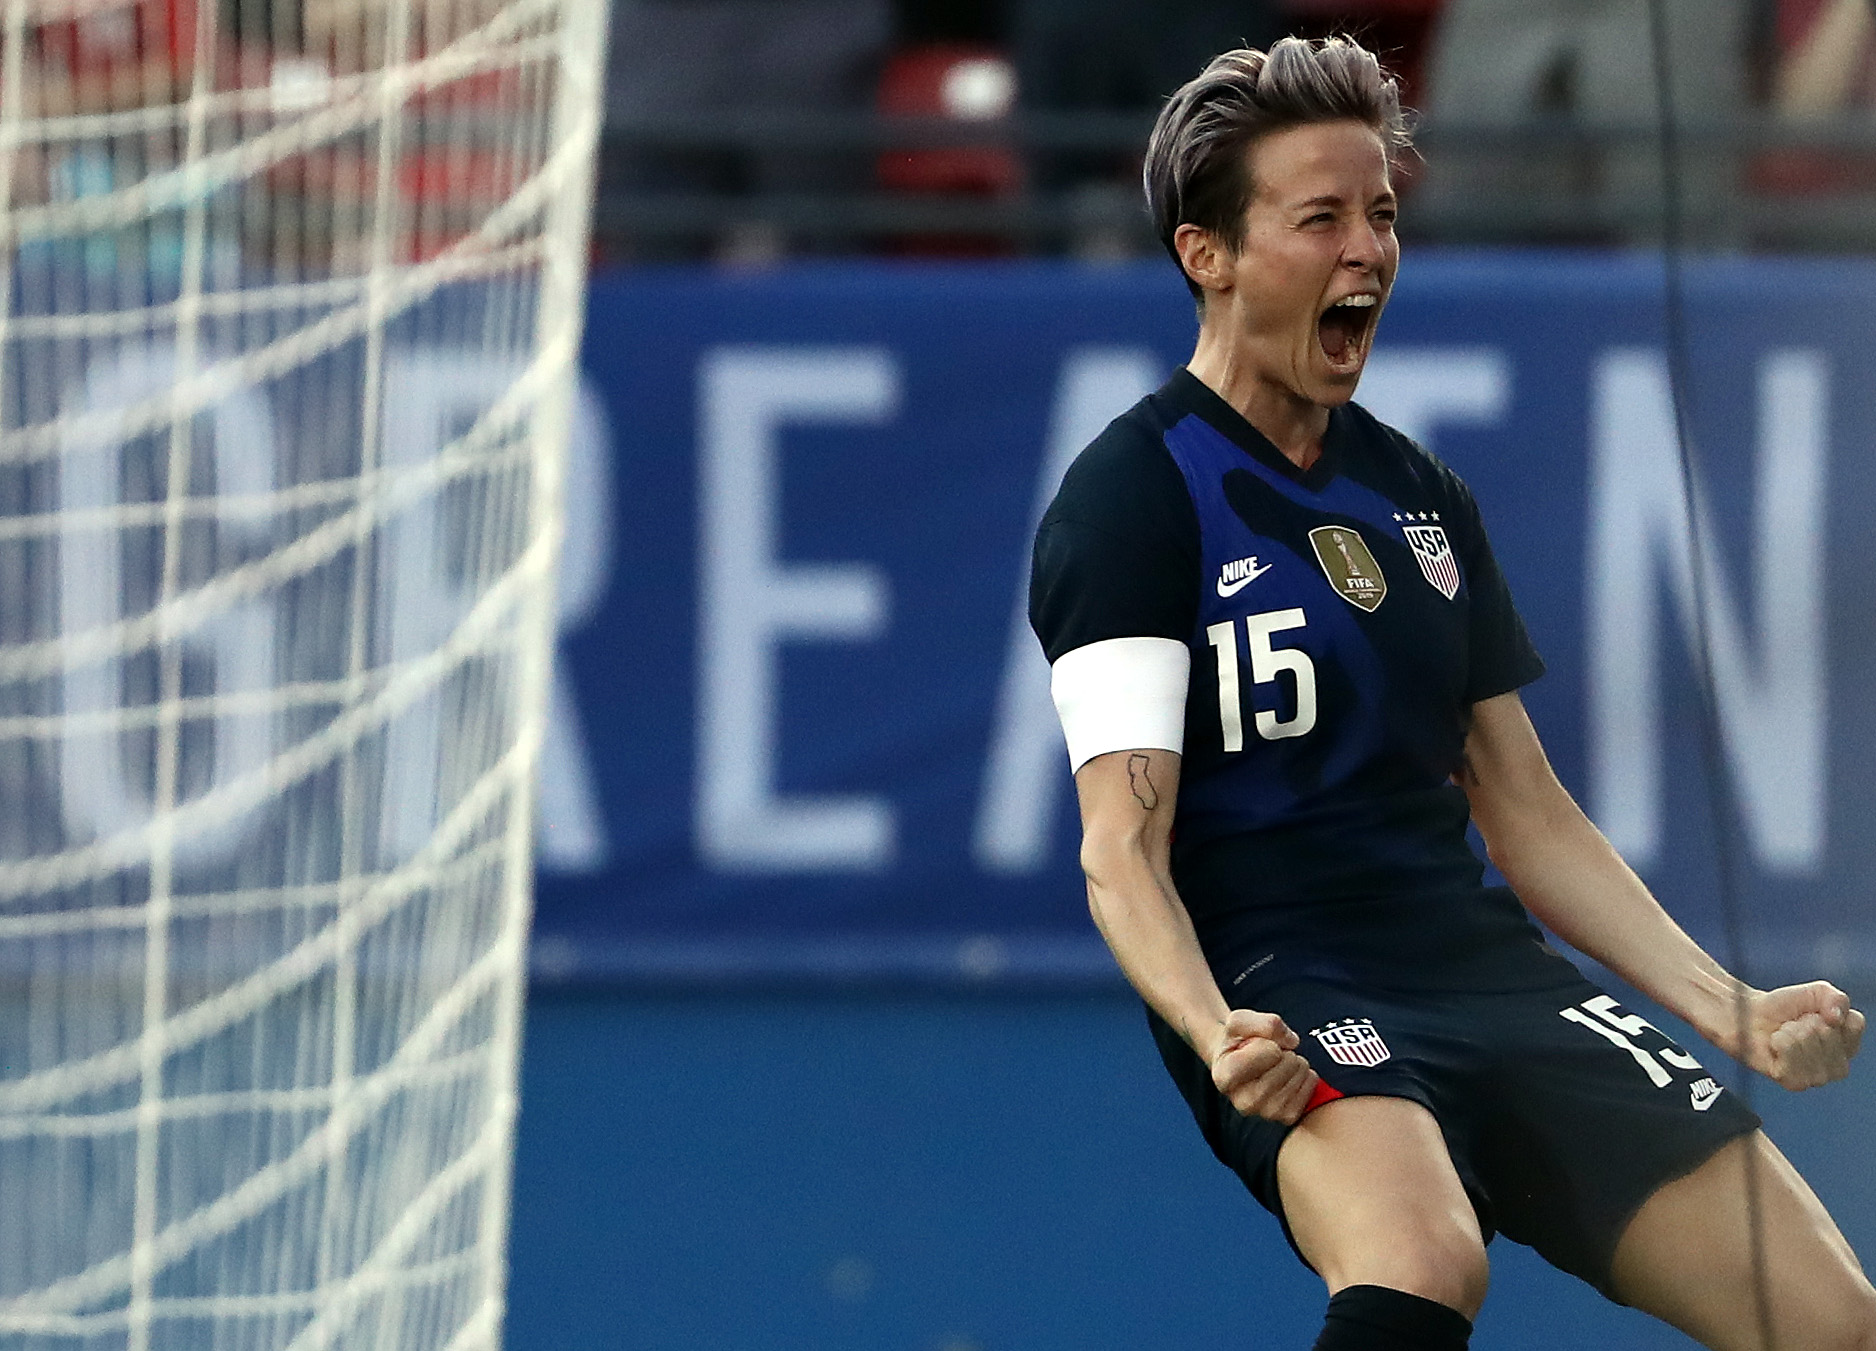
(1203, 257)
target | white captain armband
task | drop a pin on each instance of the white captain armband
(1122, 694)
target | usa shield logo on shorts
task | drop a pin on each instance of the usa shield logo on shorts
(1353, 1041)
(1435, 556)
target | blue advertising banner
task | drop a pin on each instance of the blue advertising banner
(800, 724)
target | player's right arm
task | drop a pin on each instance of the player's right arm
(1113, 599)
(1127, 799)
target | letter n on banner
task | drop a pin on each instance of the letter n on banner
(1771, 693)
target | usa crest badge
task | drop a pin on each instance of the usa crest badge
(1353, 1041)
(1349, 566)
(1435, 556)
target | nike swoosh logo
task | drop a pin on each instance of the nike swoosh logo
(1229, 589)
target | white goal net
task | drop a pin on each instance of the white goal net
(290, 295)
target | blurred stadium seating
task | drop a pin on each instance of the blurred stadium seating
(756, 129)
(307, 213)
(748, 130)
(1801, 146)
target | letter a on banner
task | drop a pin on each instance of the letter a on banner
(1023, 777)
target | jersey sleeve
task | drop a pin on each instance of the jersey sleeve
(1501, 657)
(1117, 553)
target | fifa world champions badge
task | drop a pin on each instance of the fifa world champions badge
(1434, 554)
(1352, 1041)
(1349, 566)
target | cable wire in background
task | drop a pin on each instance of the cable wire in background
(1721, 805)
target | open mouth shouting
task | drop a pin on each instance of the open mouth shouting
(1345, 330)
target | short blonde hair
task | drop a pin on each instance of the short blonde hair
(1197, 170)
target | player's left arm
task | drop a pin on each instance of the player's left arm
(1572, 879)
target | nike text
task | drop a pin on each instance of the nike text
(1234, 577)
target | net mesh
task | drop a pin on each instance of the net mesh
(290, 292)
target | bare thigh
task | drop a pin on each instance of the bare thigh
(1372, 1198)
(1687, 1258)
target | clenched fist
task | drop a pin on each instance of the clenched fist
(1800, 1036)
(1256, 1066)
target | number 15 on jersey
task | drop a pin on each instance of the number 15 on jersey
(1266, 661)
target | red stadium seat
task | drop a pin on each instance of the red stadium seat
(100, 51)
(1843, 84)
(955, 81)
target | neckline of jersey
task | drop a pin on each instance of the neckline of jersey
(1200, 399)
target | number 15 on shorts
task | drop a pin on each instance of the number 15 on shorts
(1603, 1016)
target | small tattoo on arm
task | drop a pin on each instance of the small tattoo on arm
(1143, 791)
(1185, 1030)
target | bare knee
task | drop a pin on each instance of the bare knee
(1699, 1257)
(1828, 1333)
(1851, 1326)
(1833, 1308)
(1442, 1264)
(1373, 1199)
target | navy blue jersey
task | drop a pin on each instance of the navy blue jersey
(1342, 622)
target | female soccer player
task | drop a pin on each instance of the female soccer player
(1287, 667)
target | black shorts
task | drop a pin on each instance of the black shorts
(1562, 1112)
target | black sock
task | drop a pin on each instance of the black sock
(1374, 1318)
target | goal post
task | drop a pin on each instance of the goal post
(290, 301)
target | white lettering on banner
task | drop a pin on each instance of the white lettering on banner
(431, 397)
(100, 794)
(1772, 699)
(1416, 389)
(570, 830)
(752, 602)
(1024, 775)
